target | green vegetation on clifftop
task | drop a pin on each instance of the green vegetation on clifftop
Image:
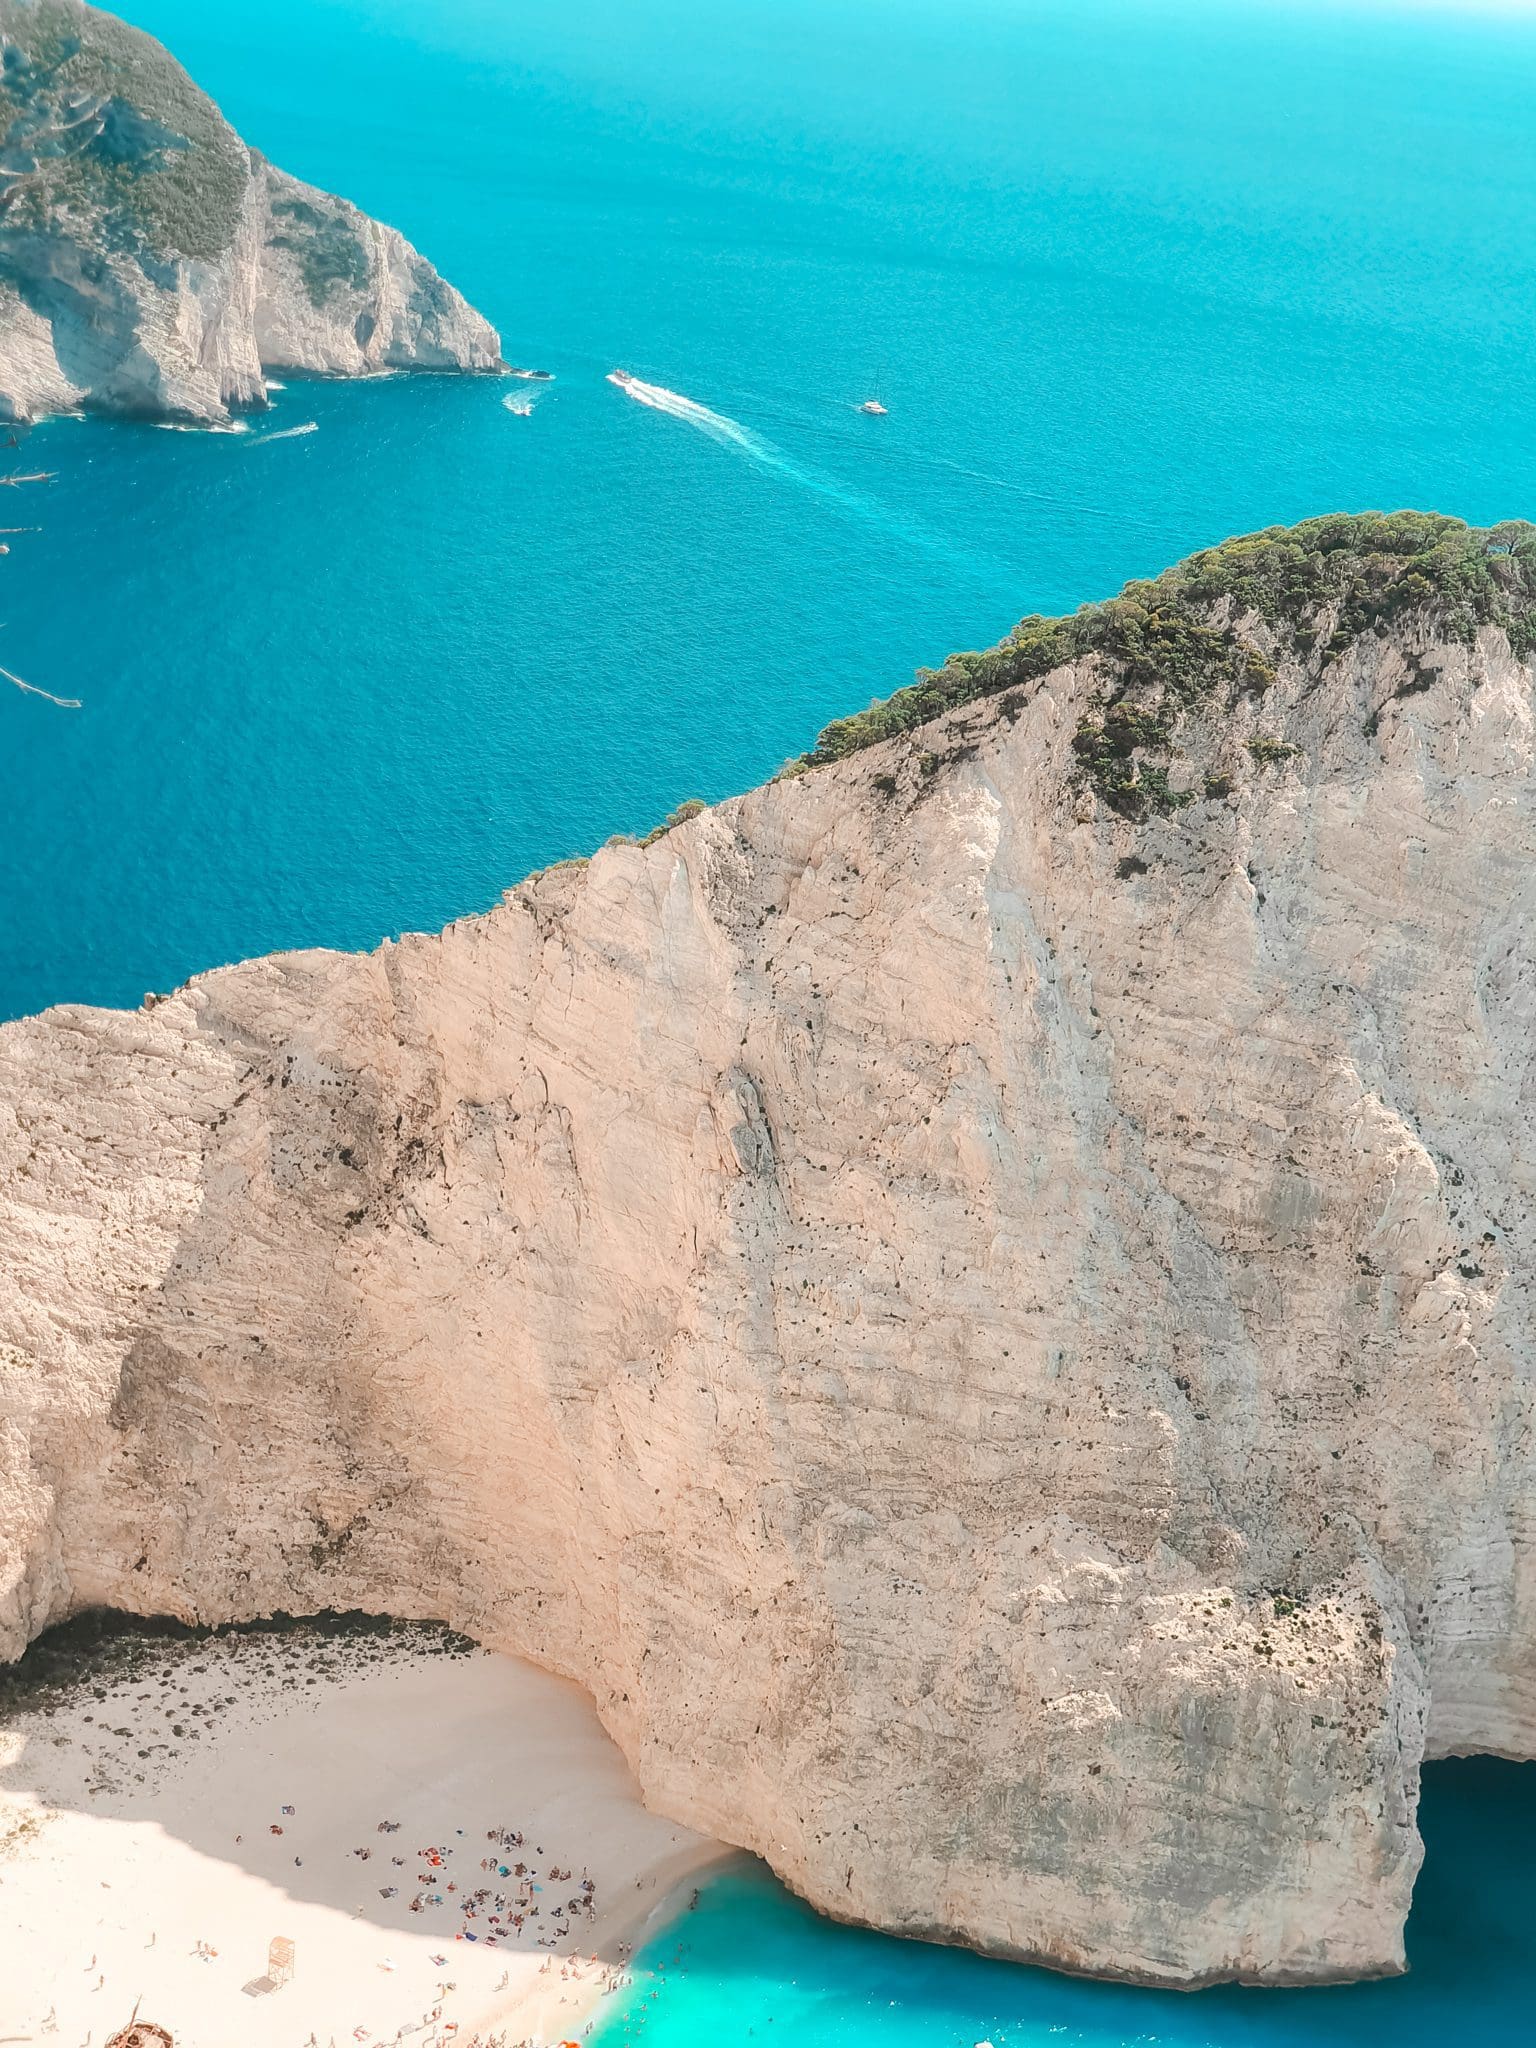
(1190, 637)
(329, 251)
(166, 168)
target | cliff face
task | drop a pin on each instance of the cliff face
(988, 1322)
(151, 264)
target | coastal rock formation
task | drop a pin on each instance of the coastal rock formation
(151, 264)
(977, 1297)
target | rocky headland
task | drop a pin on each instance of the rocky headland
(978, 1297)
(152, 265)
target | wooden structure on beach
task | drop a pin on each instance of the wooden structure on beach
(279, 1960)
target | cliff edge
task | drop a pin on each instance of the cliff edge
(978, 1296)
(152, 265)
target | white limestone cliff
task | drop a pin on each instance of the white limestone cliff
(152, 265)
(994, 1339)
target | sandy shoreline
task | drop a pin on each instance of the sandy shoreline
(148, 1853)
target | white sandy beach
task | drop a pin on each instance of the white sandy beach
(117, 1864)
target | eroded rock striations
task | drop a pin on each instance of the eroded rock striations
(151, 264)
(984, 1315)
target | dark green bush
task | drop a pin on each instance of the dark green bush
(690, 807)
(327, 256)
(1169, 644)
(168, 173)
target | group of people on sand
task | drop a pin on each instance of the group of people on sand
(510, 1902)
(491, 1913)
(500, 1910)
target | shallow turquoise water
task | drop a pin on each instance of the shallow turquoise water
(750, 1963)
(1129, 278)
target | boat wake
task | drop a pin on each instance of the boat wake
(732, 434)
(516, 402)
(287, 433)
(727, 431)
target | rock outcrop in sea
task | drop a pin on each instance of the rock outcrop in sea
(978, 1296)
(152, 265)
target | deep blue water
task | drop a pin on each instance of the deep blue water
(753, 1964)
(1129, 277)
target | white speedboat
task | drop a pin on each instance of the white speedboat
(872, 405)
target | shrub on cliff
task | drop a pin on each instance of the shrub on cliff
(1175, 637)
(165, 166)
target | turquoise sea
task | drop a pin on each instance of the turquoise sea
(753, 1964)
(1129, 277)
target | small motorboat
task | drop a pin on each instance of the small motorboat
(872, 405)
(538, 376)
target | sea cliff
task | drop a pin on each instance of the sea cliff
(978, 1297)
(152, 265)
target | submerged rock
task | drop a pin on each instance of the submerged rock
(978, 1297)
(151, 264)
